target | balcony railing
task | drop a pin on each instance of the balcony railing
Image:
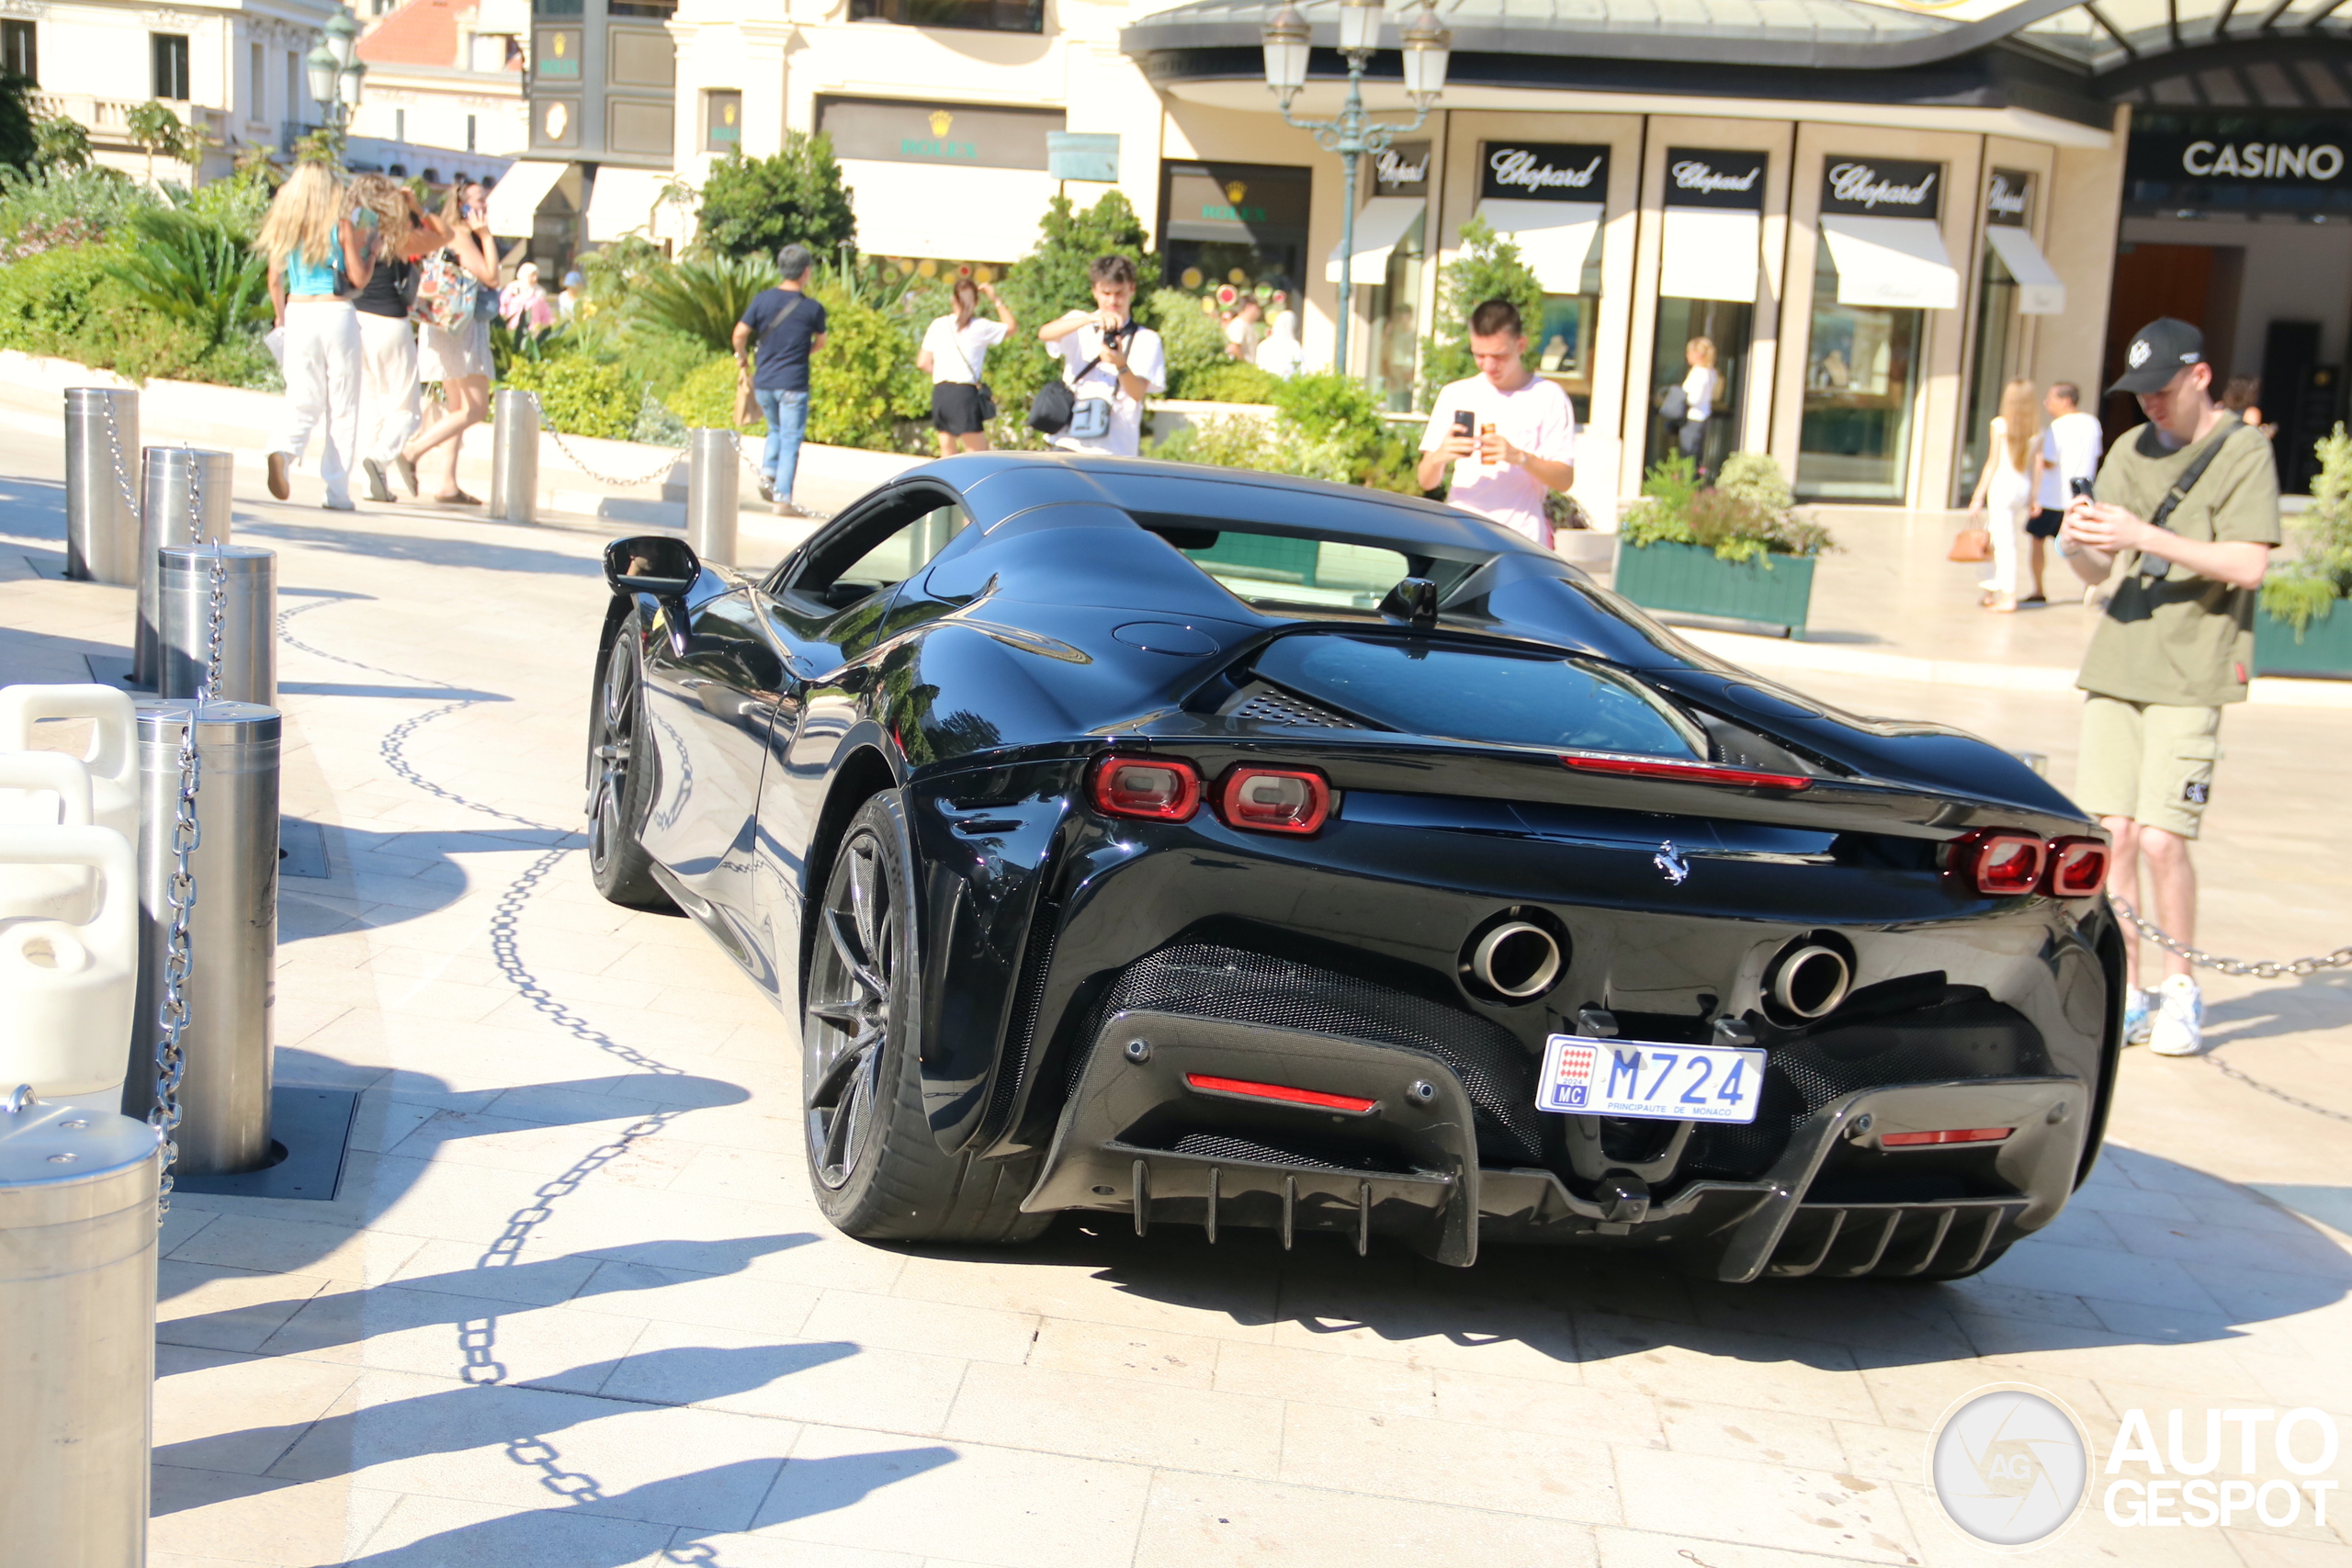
(108, 119)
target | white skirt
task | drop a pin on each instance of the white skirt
(446, 355)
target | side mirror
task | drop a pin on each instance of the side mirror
(651, 563)
(1413, 601)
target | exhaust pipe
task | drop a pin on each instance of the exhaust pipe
(1518, 960)
(1811, 980)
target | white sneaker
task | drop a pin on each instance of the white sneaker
(2139, 1015)
(2181, 1019)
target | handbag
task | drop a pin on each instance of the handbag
(1054, 411)
(1972, 544)
(747, 407)
(445, 292)
(986, 399)
(1675, 407)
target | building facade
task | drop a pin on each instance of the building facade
(443, 95)
(1876, 213)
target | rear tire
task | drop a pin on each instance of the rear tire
(620, 773)
(874, 1166)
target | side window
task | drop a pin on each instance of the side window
(905, 552)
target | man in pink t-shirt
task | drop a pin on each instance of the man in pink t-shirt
(1522, 439)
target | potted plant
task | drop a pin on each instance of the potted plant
(2298, 628)
(1737, 549)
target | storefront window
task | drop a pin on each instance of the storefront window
(1235, 226)
(1995, 348)
(1725, 325)
(1391, 312)
(1860, 376)
(1561, 345)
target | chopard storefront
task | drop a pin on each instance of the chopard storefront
(1874, 216)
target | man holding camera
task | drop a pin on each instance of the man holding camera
(1510, 435)
(2186, 506)
(1111, 361)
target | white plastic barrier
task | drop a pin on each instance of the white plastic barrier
(44, 789)
(67, 988)
(114, 769)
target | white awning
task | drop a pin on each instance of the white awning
(1893, 263)
(2039, 291)
(1552, 237)
(1385, 221)
(926, 212)
(623, 203)
(1711, 253)
(515, 199)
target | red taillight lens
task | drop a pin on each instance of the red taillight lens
(1949, 1135)
(1274, 800)
(1157, 789)
(1998, 863)
(2077, 867)
(1686, 773)
(1287, 1094)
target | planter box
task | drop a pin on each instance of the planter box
(2325, 651)
(1694, 581)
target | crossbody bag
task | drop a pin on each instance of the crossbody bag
(987, 399)
(747, 404)
(2156, 570)
(1057, 410)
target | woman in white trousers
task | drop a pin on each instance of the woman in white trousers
(391, 403)
(316, 259)
(2004, 491)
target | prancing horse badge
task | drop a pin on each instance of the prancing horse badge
(1669, 859)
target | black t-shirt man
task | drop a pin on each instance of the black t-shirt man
(785, 321)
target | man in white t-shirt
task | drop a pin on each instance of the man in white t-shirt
(1520, 436)
(2071, 445)
(1110, 362)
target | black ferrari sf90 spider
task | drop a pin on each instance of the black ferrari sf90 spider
(1220, 849)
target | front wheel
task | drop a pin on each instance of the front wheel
(874, 1165)
(620, 782)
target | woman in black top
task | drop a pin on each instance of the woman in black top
(391, 405)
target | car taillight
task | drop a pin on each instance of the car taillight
(1685, 772)
(2000, 862)
(1273, 800)
(1157, 789)
(2077, 867)
(1949, 1135)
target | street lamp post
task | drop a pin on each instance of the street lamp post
(337, 72)
(1427, 44)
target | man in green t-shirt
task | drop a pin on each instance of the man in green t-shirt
(2173, 644)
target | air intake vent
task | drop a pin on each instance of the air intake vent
(1272, 705)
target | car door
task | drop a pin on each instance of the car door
(828, 610)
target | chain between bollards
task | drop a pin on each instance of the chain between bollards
(179, 895)
(2259, 968)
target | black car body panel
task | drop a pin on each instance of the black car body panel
(1040, 612)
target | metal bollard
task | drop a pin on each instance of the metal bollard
(226, 1044)
(714, 494)
(514, 456)
(248, 621)
(185, 501)
(101, 495)
(78, 1332)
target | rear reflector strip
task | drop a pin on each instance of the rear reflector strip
(1686, 773)
(1949, 1135)
(1283, 1092)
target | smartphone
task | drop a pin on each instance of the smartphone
(2082, 487)
(1465, 422)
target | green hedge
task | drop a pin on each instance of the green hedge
(705, 399)
(580, 396)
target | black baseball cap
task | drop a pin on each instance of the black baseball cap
(2159, 351)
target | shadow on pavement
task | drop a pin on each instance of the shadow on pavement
(2317, 1001)
(474, 552)
(338, 902)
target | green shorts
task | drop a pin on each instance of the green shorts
(2148, 762)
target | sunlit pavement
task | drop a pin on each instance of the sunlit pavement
(574, 1310)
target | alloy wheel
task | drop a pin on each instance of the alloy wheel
(849, 1010)
(616, 719)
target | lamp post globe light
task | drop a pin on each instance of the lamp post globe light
(1427, 48)
(335, 70)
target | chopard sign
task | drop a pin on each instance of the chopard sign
(2007, 196)
(1406, 165)
(1705, 177)
(1545, 171)
(1883, 186)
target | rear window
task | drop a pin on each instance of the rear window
(1424, 688)
(1262, 569)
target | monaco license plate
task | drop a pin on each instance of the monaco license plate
(1661, 1083)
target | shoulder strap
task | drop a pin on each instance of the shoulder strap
(2195, 472)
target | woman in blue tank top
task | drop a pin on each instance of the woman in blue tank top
(317, 260)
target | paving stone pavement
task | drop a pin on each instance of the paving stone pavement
(573, 1308)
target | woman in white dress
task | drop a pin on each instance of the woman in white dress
(1701, 385)
(2004, 491)
(457, 358)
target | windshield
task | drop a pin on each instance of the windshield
(1461, 694)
